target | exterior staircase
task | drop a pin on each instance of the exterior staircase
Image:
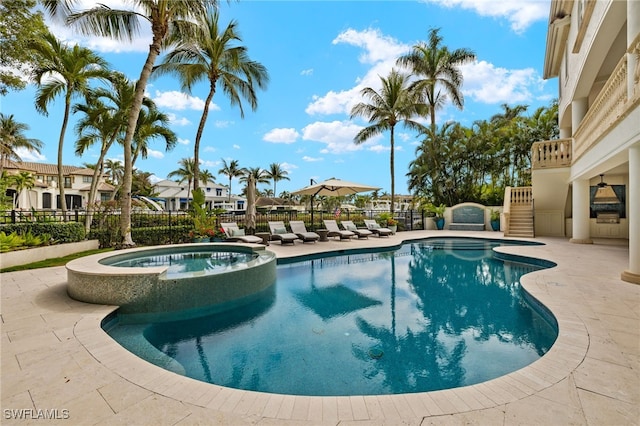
(518, 212)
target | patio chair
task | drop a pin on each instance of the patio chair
(335, 231)
(234, 234)
(378, 230)
(360, 232)
(298, 228)
(279, 233)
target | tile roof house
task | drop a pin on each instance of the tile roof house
(175, 196)
(45, 193)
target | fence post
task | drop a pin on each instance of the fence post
(13, 216)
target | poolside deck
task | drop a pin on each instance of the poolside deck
(57, 362)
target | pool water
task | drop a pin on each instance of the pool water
(187, 262)
(430, 315)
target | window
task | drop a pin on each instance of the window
(218, 192)
(87, 179)
(46, 200)
(51, 179)
(67, 181)
(104, 197)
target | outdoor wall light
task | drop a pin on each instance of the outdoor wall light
(605, 194)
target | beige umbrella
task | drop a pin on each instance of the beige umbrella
(332, 188)
(250, 214)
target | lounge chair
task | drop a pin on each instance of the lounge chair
(298, 228)
(378, 230)
(235, 234)
(361, 233)
(279, 233)
(335, 231)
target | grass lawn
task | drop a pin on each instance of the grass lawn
(58, 261)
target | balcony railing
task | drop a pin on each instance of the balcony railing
(549, 154)
(611, 104)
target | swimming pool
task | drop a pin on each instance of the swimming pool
(430, 315)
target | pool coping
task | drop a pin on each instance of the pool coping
(56, 356)
(565, 355)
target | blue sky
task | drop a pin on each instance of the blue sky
(319, 55)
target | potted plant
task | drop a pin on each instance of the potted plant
(495, 219)
(386, 219)
(438, 212)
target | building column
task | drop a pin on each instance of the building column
(633, 216)
(565, 132)
(581, 228)
(579, 108)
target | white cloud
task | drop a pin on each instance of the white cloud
(236, 146)
(209, 149)
(288, 166)
(184, 141)
(311, 159)
(486, 83)
(519, 13)
(30, 156)
(379, 50)
(307, 72)
(155, 154)
(178, 121)
(176, 100)
(336, 135)
(222, 124)
(286, 136)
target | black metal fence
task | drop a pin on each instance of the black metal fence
(166, 227)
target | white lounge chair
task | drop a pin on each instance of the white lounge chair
(361, 233)
(335, 231)
(280, 233)
(298, 227)
(378, 230)
(235, 234)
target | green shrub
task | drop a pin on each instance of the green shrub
(10, 242)
(60, 232)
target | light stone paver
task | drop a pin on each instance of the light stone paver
(55, 357)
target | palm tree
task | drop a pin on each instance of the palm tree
(231, 170)
(394, 104)
(152, 123)
(206, 176)
(276, 173)
(12, 138)
(206, 52)
(437, 72)
(259, 175)
(115, 171)
(119, 24)
(185, 172)
(23, 180)
(67, 71)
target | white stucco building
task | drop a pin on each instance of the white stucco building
(174, 196)
(593, 49)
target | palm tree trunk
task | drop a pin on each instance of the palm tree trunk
(134, 113)
(65, 120)
(196, 144)
(97, 172)
(393, 171)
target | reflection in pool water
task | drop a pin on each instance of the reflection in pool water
(420, 318)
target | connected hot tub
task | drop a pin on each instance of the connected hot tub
(168, 279)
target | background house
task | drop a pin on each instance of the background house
(175, 196)
(45, 193)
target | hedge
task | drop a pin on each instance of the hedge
(60, 232)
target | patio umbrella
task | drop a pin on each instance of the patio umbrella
(332, 188)
(250, 214)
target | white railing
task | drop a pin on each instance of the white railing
(521, 196)
(549, 154)
(612, 103)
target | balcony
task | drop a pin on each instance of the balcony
(550, 154)
(612, 104)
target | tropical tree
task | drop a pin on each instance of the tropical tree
(152, 124)
(114, 170)
(437, 72)
(23, 180)
(124, 24)
(259, 175)
(276, 173)
(392, 105)
(66, 71)
(231, 170)
(12, 138)
(206, 176)
(185, 172)
(20, 24)
(206, 52)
